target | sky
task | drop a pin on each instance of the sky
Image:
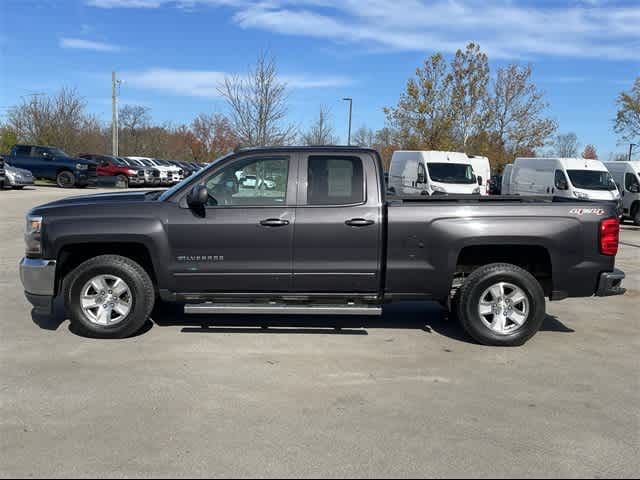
(171, 54)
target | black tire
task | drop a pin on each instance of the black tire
(65, 179)
(123, 179)
(477, 283)
(635, 214)
(139, 282)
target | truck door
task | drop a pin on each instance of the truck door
(242, 241)
(44, 163)
(337, 239)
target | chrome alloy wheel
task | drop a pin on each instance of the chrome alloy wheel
(106, 300)
(504, 308)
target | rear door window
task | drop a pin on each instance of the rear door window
(335, 180)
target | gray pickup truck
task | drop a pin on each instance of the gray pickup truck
(314, 233)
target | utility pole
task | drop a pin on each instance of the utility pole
(350, 100)
(631, 145)
(114, 119)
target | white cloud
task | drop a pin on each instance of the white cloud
(204, 83)
(81, 44)
(504, 28)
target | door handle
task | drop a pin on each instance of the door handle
(274, 222)
(359, 222)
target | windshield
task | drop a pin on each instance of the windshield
(118, 162)
(591, 180)
(451, 172)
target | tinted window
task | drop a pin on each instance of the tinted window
(451, 172)
(422, 174)
(250, 182)
(591, 180)
(631, 183)
(23, 150)
(335, 180)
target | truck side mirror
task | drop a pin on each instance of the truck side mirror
(198, 196)
(480, 180)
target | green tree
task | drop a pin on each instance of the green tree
(470, 79)
(8, 138)
(627, 121)
(423, 115)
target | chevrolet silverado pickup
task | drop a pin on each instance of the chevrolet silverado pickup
(320, 237)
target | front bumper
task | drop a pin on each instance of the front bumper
(19, 182)
(38, 278)
(610, 283)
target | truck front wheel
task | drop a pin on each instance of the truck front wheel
(109, 296)
(65, 179)
(501, 304)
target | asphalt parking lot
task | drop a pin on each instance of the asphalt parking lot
(406, 395)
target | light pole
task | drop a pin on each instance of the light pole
(114, 113)
(350, 100)
(631, 145)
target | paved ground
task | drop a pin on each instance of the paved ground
(408, 395)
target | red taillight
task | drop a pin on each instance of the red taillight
(609, 236)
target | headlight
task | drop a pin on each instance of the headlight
(10, 174)
(81, 166)
(580, 195)
(131, 172)
(33, 235)
(437, 188)
(476, 191)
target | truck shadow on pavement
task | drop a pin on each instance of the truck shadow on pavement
(427, 317)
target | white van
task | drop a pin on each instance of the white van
(414, 172)
(576, 178)
(505, 188)
(627, 177)
(482, 170)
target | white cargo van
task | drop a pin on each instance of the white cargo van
(482, 170)
(627, 177)
(505, 188)
(563, 177)
(414, 172)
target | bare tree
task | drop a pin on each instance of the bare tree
(565, 145)
(518, 108)
(60, 120)
(363, 137)
(258, 105)
(214, 133)
(321, 132)
(590, 152)
(627, 121)
(132, 121)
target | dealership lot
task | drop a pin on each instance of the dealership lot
(405, 395)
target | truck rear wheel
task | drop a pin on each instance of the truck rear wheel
(65, 179)
(501, 304)
(109, 296)
(635, 214)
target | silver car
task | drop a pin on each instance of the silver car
(17, 178)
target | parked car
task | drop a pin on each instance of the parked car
(51, 163)
(169, 174)
(109, 166)
(627, 178)
(505, 187)
(17, 178)
(431, 173)
(567, 178)
(482, 171)
(495, 185)
(325, 241)
(151, 174)
(2, 173)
